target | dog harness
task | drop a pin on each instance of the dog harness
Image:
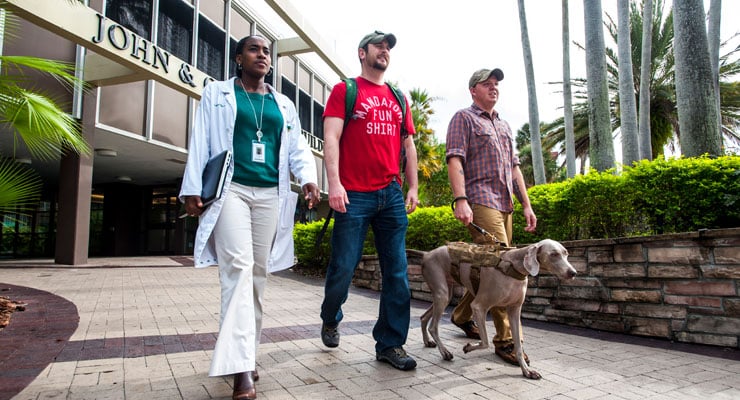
(466, 273)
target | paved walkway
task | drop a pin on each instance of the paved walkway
(147, 328)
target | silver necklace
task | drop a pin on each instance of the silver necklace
(254, 111)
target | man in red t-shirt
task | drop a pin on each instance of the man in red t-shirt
(363, 171)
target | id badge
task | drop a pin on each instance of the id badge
(258, 152)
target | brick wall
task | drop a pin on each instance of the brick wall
(682, 287)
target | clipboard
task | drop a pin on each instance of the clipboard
(214, 177)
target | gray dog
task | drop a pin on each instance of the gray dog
(502, 286)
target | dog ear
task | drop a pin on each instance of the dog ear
(531, 264)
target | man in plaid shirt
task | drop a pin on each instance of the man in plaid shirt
(483, 168)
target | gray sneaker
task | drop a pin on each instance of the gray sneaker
(330, 335)
(397, 357)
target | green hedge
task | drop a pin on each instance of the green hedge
(652, 197)
(429, 227)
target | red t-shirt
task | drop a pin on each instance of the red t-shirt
(370, 146)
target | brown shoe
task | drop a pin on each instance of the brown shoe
(506, 352)
(244, 386)
(470, 329)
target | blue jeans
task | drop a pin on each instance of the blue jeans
(385, 211)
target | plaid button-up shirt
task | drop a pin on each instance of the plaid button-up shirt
(486, 146)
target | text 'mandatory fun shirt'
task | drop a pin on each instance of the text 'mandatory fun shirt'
(370, 146)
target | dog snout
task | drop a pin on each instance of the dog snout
(571, 273)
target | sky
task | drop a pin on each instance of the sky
(440, 46)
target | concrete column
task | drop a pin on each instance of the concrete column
(75, 188)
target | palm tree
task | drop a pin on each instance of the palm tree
(525, 149)
(429, 161)
(35, 121)
(663, 113)
(663, 118)
(713, 36)
(570, 147)
(698, 111)
(601, 144)
(645, 146)
(538, 164)
(435, 191)
(627, 106)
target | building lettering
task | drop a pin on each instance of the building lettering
(141, 49)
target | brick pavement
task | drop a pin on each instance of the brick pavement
(146, 330)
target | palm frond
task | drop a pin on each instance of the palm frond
(62, 71)
(20, 187)
(45, 129)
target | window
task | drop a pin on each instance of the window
(318, 90)
(304, 110)
(287, 67)
(270, 77)
(135, 15)
(231, 63)
(318, 125)
(288, 88)
(304, 79)
(27, 233)
(174, 33)
(211, 46)
(240, 24)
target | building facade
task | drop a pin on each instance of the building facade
(146, 62)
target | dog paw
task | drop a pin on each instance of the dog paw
(468, 348)
(446, 355)
(430, 343)
(531, 374)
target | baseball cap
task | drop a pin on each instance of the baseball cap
(482, 75)
(377, 37)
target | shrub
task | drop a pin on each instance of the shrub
(688, 194)
(429, 227)
(652, 197)
(305, 236)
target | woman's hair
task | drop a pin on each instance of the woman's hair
(240, 44)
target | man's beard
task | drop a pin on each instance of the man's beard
(379, 66)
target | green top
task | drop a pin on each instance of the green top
(262, 112)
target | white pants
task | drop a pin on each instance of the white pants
(243, 236)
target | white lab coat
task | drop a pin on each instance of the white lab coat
(213, 133)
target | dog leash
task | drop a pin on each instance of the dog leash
(320, 236)
(480, 229)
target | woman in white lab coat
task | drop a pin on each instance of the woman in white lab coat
(248, 231)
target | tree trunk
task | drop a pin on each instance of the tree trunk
(538, 164)
(601, 144)
(646, 62)
(698, 110)
(627, 106)
(570, 145)
(715, 11)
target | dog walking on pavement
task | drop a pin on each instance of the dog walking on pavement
(501, 285)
